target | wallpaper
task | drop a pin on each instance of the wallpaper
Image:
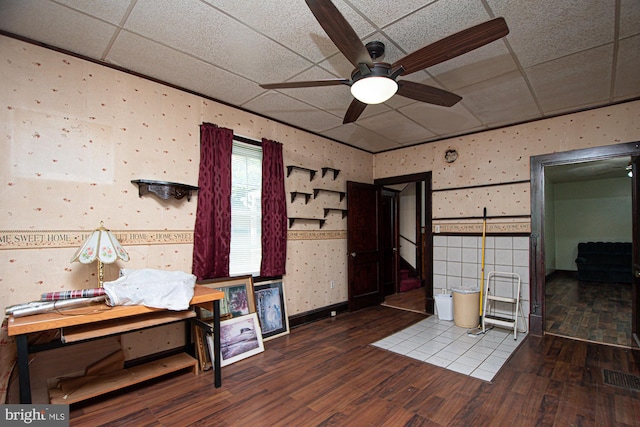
(74, 136)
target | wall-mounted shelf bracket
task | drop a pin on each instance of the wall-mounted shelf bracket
(327, 169)
(295, 194)
(317, 190)
(164, 190)
(321, 221)
(327, 210)
(312, 173)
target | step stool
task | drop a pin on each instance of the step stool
(490, 298)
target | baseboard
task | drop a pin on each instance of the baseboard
(317, 314)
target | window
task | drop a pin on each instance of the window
(246, 209)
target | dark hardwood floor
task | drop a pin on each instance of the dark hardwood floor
(592, 311)
(327, 374)
(413, 300)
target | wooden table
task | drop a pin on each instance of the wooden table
(77, 325)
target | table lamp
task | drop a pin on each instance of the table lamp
(102, 246)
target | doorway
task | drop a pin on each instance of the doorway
(364, 240)
(543, 242)
(406, 242)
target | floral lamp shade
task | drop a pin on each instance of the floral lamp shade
(102, 246)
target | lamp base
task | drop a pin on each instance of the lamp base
(100, 274)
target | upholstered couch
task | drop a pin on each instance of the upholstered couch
(604, 262)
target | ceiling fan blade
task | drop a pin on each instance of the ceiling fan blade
(454, 45)
(340, 32)
(429, 94)
(353, 112)
(310, 83)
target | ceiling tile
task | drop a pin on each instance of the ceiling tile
(111, 11)
(481, 64)
(542, 31)
(434, 22)
(306, 37)
(382, 13)
(325, 97)
(628, 68)
(249, 54)
(57, 25)
(442, 120)
(395, 126)
(579, 79)
(292, 111)
(177, 68)
(369, 111)
(500, 100)
(629, 18)
(357, 136)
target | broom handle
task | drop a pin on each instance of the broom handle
(484, 236)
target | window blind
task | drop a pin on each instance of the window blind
(246, 209)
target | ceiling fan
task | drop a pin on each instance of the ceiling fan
(374, 82)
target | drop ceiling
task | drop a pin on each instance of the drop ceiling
(559, 57)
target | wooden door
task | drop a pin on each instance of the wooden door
(363, 246)
(635, 292)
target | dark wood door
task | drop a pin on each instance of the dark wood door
(635, 292)
(363, 246)
(389, 235)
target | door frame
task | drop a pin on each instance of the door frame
(536, 241)
(424, 179)
(394, 264)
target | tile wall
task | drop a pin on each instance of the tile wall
(457, 263)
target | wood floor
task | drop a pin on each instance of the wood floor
(593, 311)
(413, 300)
(327, 374)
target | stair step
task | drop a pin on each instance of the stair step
(409, 284)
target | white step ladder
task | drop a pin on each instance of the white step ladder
(488, 311)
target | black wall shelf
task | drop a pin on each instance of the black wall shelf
(164, 190)
(318, 190)
(295, 194)
(327, 210)
(327, 169)
(321, 221)
(312, 172)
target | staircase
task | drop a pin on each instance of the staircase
(408, 283)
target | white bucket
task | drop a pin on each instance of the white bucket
(444, 306)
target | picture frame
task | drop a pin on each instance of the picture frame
(238, 296)
(270, 302)
(240, 337)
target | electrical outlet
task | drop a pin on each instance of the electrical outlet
(437, 228)
(332, 284)
(333, 314)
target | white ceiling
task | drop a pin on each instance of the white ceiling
(560, 56)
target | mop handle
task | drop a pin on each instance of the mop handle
(484, 231)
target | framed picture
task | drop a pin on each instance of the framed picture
(238, 296)
(240, 337)
(271, 310)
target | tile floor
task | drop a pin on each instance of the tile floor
(441, 343)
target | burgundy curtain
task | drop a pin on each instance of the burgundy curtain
(274, 211)
(212, 233)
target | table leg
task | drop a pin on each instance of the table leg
(216, 343)
(23, 368)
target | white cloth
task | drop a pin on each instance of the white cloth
(172, 290)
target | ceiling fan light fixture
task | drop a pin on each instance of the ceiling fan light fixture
(374, 89)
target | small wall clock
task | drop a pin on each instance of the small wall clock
(451, 155)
